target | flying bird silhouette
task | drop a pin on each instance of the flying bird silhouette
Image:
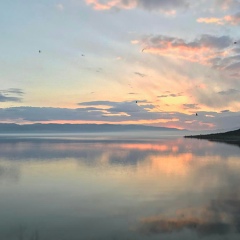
(235, 42)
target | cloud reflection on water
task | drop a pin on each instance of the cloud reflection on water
(43, 149)
(219, 217)
(140, 189)
(215, 183)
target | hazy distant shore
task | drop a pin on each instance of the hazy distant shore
(231, 137)
(75, 128)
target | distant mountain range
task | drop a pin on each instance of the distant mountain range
(72, 128)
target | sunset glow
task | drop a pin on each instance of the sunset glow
(121, 62)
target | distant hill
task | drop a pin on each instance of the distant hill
(232, 137)
(72, 128)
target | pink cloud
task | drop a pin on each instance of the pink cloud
(200, 50)
(97, 5)
(218, 52)
(228, 19)
(211, 20)
(169, 7)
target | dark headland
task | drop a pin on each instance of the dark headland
(231, 137)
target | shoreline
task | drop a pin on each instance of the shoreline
(231, 137)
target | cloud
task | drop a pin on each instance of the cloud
(109, 4)
(190, 106)
(11, 95)
(163, 4)
(127, 107)
(167, 6)
(218, 52)
(16, 91)
(116, 112)
(229, 92)
(170, 95)
(127, 112)
(225, 111)
(228, 19)
(163, 96)
(199, 50)
(175, 95)
(138, 108)
(234, 66)
(140, 74)
(206, 46)
(97, 103)
(226, 63)
(9, 99)
(222, 99)
(211, 20)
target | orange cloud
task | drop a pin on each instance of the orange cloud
(228, 19)
(168, 7)
(110, 4)
(218, 21)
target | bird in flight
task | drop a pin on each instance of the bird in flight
(39, 51)
(235, 42)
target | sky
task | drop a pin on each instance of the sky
(151, 62)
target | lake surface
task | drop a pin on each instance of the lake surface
(73, 188)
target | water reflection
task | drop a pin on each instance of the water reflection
(219, 217)
(9, 172)
(170, 189)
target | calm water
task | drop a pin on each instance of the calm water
(72, 189)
